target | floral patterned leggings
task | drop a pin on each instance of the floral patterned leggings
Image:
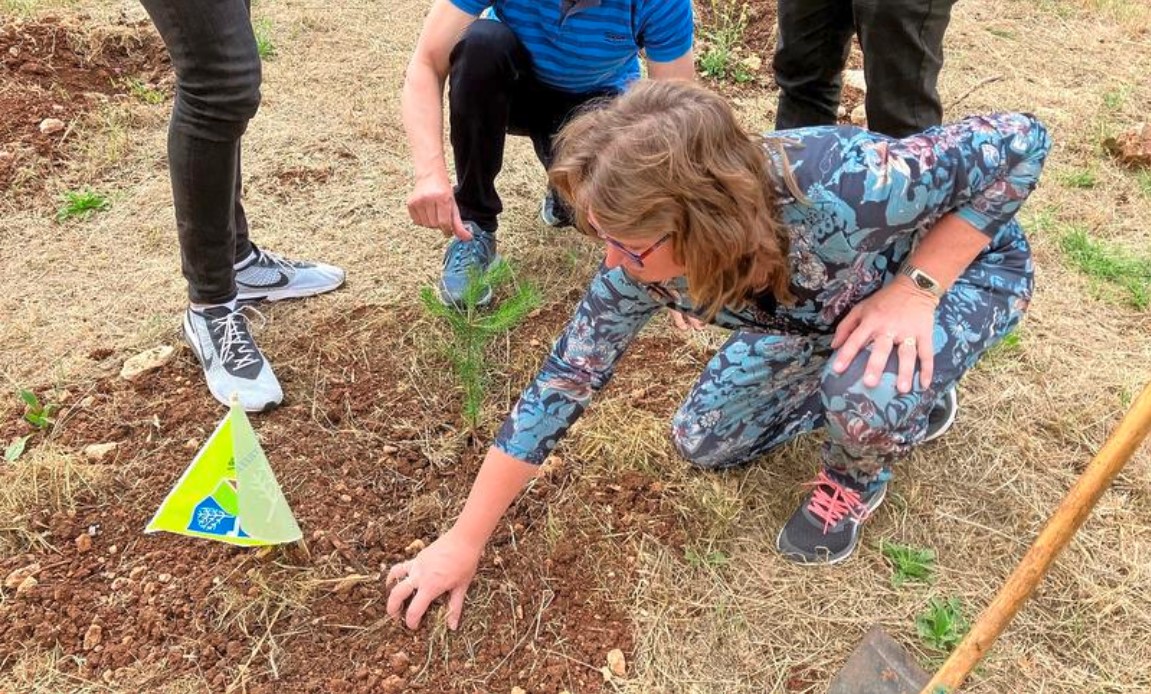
(762, 390)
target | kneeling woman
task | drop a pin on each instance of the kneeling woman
(861, 275)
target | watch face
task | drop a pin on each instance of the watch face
(923, 282)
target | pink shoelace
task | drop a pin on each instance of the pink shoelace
(831, 501)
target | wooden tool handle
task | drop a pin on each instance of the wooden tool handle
(1074, 509)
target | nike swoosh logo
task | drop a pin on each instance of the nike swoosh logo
(281, 282)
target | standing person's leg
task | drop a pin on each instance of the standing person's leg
(487, 64)
(902, 42)
(868, 429)
(217, 67)
(813, 43)
(759, 391)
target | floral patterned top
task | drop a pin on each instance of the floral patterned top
(865, 199)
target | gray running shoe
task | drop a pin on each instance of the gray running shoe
(270, 277)
(942, 415)
(233, 365)
(553, 211)
(826, 527)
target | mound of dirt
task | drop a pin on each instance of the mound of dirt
(55, 71)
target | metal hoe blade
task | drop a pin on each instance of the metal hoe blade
(879, 665)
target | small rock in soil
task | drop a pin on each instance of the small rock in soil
(26, 585)
(83, 543)
(137, 572)
(93, 637)
(415, 548)
(146, 361)
(99, 452)
(50, 126)
(518, 690)
(399, 662)
(859, 116)
(393, 685)
(17, 577)
(389, 450)
(617, 662)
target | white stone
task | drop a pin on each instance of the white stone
(854, 78)
(148, 360)
(99, 452)
(50, 126)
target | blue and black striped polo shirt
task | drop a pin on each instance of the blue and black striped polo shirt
(587, 45)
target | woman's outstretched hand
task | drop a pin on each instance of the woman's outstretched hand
(448, 565)
(898, 316)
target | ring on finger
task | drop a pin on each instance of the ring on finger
(908, 341)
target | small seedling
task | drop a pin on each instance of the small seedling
(1085, 178)
(1115, 266)
(472, 329)
(908, 564)
(82, 204)
(942, 625)
(144, 91)
(264, 46)
(720, 59)
(1011, 344)
(37, 414)
(714, 559)
(16, 449)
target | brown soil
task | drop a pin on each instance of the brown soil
(52, 70)
(358, 468)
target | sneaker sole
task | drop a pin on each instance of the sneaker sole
(281, 293)
(225, 400)
(801, 560)
(949, 421)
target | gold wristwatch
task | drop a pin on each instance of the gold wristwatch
(922, 280)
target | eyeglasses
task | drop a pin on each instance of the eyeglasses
(630, 256)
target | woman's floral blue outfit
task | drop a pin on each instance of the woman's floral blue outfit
(866, 198)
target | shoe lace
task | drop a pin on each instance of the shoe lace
(237, 347)
(278, 260)
(465, 254)
(832, 501)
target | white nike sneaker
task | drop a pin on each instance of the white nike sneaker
(233, 365)
(270, 277)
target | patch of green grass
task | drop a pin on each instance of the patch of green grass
(472, 329)
(1109, 265)
(723, 39)
(1143, 180)
(1114, 99)
(264, 45)
(942, 625)
(1080, 178)
(81, 204)
(699, 558)
(1011, 344)
(144, 91)
(908, 564)
(36, 413)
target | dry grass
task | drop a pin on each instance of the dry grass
(1030, 419)
(45, 480)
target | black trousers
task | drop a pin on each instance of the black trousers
(494, 92)
(217, 67)
(902, 42)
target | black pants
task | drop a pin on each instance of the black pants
(902, 42)
(217, 68)
(493, 92)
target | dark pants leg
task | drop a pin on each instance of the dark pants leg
(493, 92)
(217, 70)
(814, 41)
(902, 42)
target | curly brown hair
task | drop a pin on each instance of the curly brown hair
(670, 156)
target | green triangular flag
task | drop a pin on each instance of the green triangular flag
(229, 492)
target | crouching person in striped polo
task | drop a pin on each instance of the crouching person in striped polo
(522, 68)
